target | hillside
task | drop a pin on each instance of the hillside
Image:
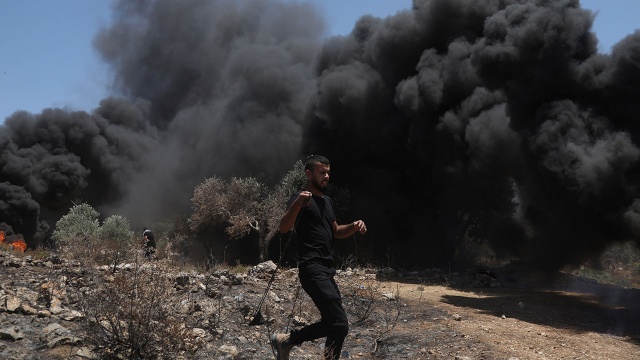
(47, 308)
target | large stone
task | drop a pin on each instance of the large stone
(27, 295)
(264, 267)
(86, 353)
(12, 333)
(63, 340)
(71, 315)
(13, 304)
(50, 289)
(28, 309)
(56, 306)
(230, 350)
(54, 329)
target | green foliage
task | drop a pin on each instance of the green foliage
(618, 265)
(294, 180)
(79, 235)
(276, 202)
(623, 256)
(116, 228)
(80, 224)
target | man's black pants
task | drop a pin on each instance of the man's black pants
(318, 282)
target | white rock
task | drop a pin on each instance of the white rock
(231, 350)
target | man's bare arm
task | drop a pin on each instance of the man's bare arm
(343, 231)
(289, 217)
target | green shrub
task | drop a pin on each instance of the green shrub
(116, 228)
(79, 235)
(80, 224)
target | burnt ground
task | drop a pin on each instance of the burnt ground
(419, 315)
(473, 316)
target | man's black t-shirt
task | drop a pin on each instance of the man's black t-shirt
(315, 231)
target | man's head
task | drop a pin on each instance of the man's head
(317, 168)
(313, 160)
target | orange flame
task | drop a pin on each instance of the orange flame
(17, 244)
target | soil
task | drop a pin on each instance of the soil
(420, 315)
(574, 318)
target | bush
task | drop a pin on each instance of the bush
(135, 315)
(116, 228)
(79, 235)
(79, 225)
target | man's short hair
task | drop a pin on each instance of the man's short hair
(312, 160)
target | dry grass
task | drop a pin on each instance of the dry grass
(135, 315)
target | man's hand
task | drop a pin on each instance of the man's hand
(360, 226)
(289, 217)
(303, 198)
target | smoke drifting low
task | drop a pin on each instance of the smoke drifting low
(456, 119)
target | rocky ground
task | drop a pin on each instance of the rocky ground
(45, 313)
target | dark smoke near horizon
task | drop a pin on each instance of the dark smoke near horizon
(456, 119)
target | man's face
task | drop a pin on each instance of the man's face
(318, 176)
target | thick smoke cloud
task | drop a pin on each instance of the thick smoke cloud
(494, 120)
(203, 88)
(228, 81)
(456, 122)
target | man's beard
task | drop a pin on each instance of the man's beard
(318, 185)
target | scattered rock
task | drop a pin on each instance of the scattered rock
(263, 268)
(13, 304)
(230, 350)
(28, 310)
(389, 296)
(86, 353)
(41, 314)
(12, 333)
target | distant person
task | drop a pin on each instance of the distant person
(148, 243)
(317, 228)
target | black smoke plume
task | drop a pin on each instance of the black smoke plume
(495, 122)
(201, 88)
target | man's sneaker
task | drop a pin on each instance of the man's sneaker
(282, 346)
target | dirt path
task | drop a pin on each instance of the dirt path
(520, 324)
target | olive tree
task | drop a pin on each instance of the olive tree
(80, 224)
(116, 228)
(244, 205)
(80, 236)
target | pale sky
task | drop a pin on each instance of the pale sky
(47, 58)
